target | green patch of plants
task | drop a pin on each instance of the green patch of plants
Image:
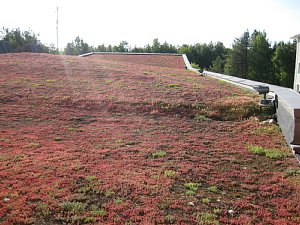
(118, 141)
(118, 201)
(293, 172)
(174, 85)
(91, 178)
(73, 206)
(85, 189)
(207, 218)
(107, 81)
(109, 193)
(191, 188)
(44, 209)
(50, 81)
(87, 119)
(170, 173)
(146, 72)
(195, 66)
(35, 85)
(89, 186)
(159, 154)
(224, 82)
(164, 204)
(131, 143)
(156, 177)
(57, 139)
(272, 129)
(71, 129)
(89, 219)
(217, 211)
(170, 219)
(97, 212)
(206, 200)
(268, 152)
(201, 118)
(213, 189)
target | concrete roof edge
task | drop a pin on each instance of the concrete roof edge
(86, 54)
(129, 53)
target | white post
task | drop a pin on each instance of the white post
(57, 28)
(297, 64)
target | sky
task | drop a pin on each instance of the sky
(140, 21)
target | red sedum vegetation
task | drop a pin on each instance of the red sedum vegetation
(106, 140)
(171, 61)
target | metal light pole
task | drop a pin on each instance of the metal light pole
(57, 28)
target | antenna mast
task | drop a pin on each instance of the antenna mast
(57, 28)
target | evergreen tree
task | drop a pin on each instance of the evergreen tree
(138, 49)
(218, 65)
(284, 63)
(155, 46)
(77, 47)
(237, 60)
(20, 41)
(260, 54)
(101, 48)
(122, 47)
(148, 48)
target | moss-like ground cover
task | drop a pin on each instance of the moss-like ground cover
(100, 141)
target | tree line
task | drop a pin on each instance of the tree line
(251, 56)
(20, 41)
(78, 47)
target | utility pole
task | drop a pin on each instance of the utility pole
(57, 28)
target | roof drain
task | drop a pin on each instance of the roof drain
(263, 90)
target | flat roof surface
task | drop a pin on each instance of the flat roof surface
(114, 141)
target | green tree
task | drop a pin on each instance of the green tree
(148, 48)
(21, 40)
(122, 47)
(260, 54)
(109, 48)
(138, 49)
(185, 49)
(204, 54)
(219, 58)
(77, 47)
(283, 60)
(101, 48)
(17, 38)
(218, 65)
(155, 46)
(167, 48)
(237, 60)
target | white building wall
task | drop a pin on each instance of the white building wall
(297, 66)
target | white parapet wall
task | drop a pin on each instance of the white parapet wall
(297, 64)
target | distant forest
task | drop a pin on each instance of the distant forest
(252, 56)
